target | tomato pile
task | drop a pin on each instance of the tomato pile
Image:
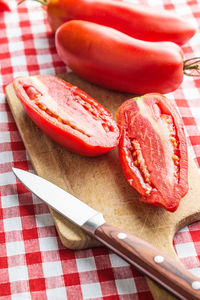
(120, 45)
(124, 46)
(128, 48)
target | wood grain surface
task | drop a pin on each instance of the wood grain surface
(100, 183)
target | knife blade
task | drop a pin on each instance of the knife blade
(157, 265)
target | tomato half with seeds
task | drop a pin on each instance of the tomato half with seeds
(67, 114)
(153, 150)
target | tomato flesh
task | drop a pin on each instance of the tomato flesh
(68, 115)
(153, 150)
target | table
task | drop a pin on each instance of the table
(33, 262)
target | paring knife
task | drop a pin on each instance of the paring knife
(149, 260)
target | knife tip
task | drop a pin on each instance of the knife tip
(17, 172)
(14, 170)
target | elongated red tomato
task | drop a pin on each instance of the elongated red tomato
(139, 21)
(67, 115)
(153, 150)
(114, 60)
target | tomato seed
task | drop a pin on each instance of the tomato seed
(148, 192)
(134, 153)
(41, 106)
(50, 113)
(175, 144)
(175, 157)
(147, 178)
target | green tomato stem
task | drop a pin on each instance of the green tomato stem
(191, 67)
(43, 2)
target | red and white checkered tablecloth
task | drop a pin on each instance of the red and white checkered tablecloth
(33, 262)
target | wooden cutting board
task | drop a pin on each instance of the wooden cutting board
(100, 183)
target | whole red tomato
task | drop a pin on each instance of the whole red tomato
(139, 21)
(117, 61)
(153, 150)
(67, 115)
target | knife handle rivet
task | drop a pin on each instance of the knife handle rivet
(196, 285)
(121, 235)
(158, 259)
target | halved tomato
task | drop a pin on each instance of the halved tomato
(153, 150)
(67, 115)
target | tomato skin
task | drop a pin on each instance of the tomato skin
(148, 145)
(116, 61)
(84, 118)
(4, 6)
(139, 21)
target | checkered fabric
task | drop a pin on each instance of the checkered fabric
(33, 262)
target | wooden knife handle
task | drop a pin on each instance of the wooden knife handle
(152, 262)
